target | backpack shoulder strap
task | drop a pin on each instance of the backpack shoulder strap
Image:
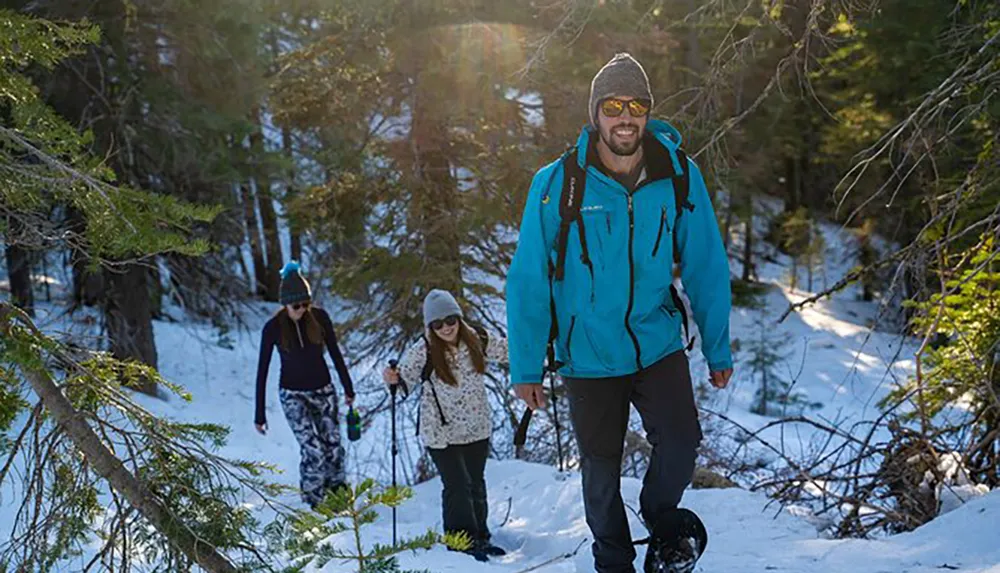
(484, 336)
(428, 369)
(570, 200)
(682, 190)
(425, 377)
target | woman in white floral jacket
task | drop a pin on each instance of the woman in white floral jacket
(454, 415)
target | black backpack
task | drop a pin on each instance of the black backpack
(428, 370)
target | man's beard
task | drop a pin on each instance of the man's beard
(622, 149)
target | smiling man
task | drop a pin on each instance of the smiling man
(590, 294)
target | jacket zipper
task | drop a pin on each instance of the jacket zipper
(631, 267)
(569, 339)
(299, 332)
(659, 234)
(631, 282)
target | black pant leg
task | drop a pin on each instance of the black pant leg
(665, 400)
(475, 461)
(457, 509)
(599, 410)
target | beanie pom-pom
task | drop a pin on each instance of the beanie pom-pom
(289, 268)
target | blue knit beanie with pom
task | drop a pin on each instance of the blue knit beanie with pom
(294, 288)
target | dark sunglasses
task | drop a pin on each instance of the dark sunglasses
(612, 107)
(447, 321)
(300, 305)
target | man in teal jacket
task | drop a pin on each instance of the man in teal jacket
(618, 329)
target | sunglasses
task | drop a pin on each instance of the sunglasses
(300, 305)
(447, 321)
(612, 107)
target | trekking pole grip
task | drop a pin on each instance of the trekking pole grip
(392, 387)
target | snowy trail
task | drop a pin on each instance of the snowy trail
(546, 520)
(845, 368)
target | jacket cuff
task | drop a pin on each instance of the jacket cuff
(720, 365)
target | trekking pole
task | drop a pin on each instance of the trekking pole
(392, 410)
(555, 418)
(553, 366)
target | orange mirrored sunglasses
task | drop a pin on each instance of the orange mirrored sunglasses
(612, 107)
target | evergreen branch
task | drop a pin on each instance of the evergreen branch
(74, 174)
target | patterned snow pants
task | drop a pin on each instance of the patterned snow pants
(312, 415)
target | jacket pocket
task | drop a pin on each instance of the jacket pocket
(659, 233)
(596, 225)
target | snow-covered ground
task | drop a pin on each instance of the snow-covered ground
(544, 519)
(832, 355)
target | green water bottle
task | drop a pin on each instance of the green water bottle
(353, 425)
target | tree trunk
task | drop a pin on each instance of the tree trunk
(810, 255)
(693, 47)
(19, 269)
(793, 189)
(112, 469)
(129, 317)
(435, 200)
(88, 285)
(268, 217)
(253, 236)
(294, 232)
(809, 271)
(155, 291)
(44, 261)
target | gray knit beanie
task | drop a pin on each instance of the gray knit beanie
(623, 76)
(439, 304)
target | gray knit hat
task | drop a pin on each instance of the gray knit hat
(439, 304)
(623, 76)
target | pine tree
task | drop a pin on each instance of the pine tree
(97, 466)
(306, 538)
(775, 396)
(428, 203)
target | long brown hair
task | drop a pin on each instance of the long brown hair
(289, 338)
(438, 348)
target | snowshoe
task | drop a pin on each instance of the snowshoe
(475, 551)
(492, 550)
(677, 541)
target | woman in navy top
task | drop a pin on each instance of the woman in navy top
(301, 333)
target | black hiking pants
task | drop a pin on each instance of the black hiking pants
(463, 499)
(599, 409)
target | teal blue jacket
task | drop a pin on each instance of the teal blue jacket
(620, 319)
